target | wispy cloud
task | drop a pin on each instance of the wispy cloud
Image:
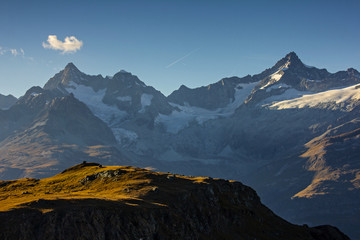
(14, 52)
(182, 58)
(69, 45)
(2, 51)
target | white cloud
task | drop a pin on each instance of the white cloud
(69, 45)
(2, 51)
(14, 52)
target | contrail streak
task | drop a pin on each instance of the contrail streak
(182, 58)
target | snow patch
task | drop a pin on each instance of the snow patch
(123, 136)
(179, 120)
(174, 122)
(312, 100)
(109, 114)
(124, 98)
(35, 94)
(242, 91)
(286, 65)
(141, 85)
(311, 80)
(275, 77)
(290, 93)
(145, 101)
(278, 86)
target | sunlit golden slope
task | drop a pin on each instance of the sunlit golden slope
(111, 183)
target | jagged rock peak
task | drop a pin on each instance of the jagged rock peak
(183, 87)
(292, 56)
(9, 95)
(120, 73)
(353, 71)
(290, 60)
(128, 78)
(123, 73)
(69, 74)
(34, 90)
(71, 66)
(71, 69)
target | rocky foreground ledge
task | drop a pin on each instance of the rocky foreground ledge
(91, 201)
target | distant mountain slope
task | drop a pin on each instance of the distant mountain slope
(213, 96)
(114, 100)
(290, 78)
(7, 101)
(90, 201)
(55, 130)
(288, 74)
(307, 157)
(123, 91)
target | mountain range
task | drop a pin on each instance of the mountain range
(291, 132)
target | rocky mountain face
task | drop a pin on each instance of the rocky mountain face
(124, 92)
(290, 132)
(141, 204)
(43, 132)
(7, 101)
(291, 74)
(212, 97)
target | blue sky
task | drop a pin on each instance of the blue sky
(169, 43)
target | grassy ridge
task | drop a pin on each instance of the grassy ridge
(130, 184)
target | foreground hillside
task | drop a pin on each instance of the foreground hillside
(90, 201)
